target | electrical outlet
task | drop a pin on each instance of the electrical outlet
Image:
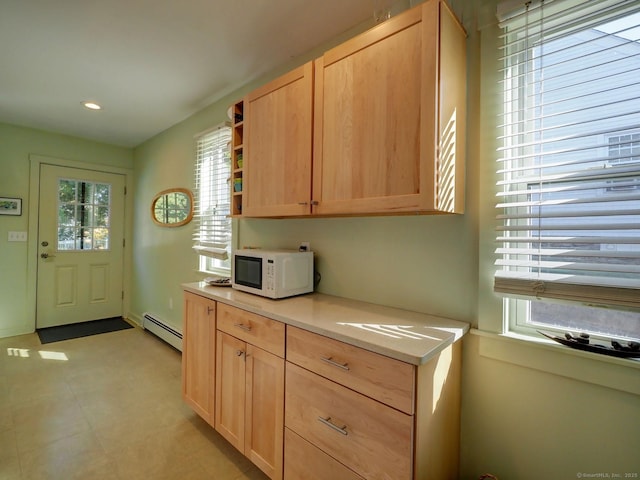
(17, 236)
(305, 247)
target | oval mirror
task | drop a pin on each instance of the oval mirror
(172, 207)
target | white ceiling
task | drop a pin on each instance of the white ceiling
(149, 63)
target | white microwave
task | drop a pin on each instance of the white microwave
(272, 273)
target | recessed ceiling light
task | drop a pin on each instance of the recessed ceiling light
(92, 105)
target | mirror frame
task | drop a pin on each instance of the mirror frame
(189, 217)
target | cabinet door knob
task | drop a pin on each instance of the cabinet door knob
(315, 202)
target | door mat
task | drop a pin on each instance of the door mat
(84, 329)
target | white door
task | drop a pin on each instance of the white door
(80, 245)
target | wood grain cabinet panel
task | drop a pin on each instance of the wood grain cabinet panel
(278, 146)
(382, 378)
(370, 438)
(264, 424)
(389, 133)
(255, 329)
(303, 460)
(249, 407)
(230, 389)
(198, 355)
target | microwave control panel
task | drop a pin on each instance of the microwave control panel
(270, 277)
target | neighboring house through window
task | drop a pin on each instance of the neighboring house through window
(624, 150)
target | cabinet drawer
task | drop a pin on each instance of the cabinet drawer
(254, 329)
(382, 378)
(370, 438)
(303, 460)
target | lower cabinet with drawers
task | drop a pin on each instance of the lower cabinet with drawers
(304, 406)
(378, 417)
(249, 405)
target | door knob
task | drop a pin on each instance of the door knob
(46, 255)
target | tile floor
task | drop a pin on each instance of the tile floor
(105, 407)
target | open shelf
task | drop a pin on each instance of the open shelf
(237, 158)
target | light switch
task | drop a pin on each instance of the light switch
(17, 236)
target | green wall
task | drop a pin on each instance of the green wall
(16, 145)
(422, 263)
(525, 414)
(162, 257)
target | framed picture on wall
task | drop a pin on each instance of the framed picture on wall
(10, 206)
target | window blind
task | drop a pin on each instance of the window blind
(569, 161)
(212, 236)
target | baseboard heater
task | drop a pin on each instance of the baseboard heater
(162, 330)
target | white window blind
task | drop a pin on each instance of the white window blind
(569, 164)
(212, 236)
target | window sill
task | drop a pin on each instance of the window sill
(548, 356)
(217, 273)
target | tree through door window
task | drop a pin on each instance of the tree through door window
(84, 210)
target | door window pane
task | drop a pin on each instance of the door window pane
(84, 210)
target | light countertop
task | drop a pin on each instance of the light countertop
(411, 337)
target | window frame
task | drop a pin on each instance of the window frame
(212, 258)
(517, 309)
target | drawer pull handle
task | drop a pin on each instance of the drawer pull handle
(242, 326)
(327, 421)
(331, 361)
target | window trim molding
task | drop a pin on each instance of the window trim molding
(549, 357)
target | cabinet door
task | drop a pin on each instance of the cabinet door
(377, 129)
(230, 389)
(265, 411)
(198, 355)
(278, 146)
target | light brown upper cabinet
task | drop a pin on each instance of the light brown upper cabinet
(389, 118)
(278, 145)
(375, 126)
